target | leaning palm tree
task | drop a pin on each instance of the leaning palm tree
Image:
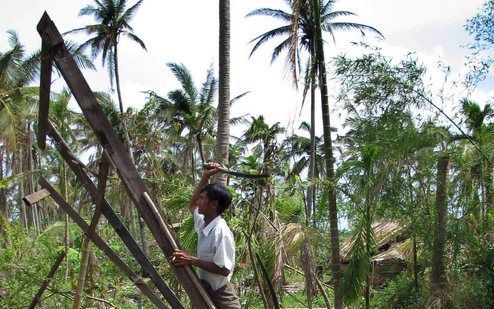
(113, 20)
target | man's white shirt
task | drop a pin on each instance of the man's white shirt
(215, 244)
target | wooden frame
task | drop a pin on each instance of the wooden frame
(101, 244)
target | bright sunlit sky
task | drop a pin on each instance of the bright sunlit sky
(187, 32)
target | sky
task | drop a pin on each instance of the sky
(187, 32)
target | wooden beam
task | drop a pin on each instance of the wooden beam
(119, 155)
(101, 244)
(44, 93)
(35, 197)
(47, 280)
(112, 218)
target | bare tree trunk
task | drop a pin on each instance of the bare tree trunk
(438, 294)
(123, 122)
(489, 194)
(23, 218)
(3, 198)
(308, 266)
(329, 159)
(66, 221)
(223, 130)
(312, 164)
(415, 265)
(82, 272)
(279, 261)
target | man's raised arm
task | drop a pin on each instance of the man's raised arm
(203, 183)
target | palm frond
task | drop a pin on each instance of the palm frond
(183, 75)
(136, 39)
(279, 14)
(238, 97)
(263, 38)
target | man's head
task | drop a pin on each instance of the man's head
(217, 196)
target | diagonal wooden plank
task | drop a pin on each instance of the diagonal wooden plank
(47, 280)
(112, 144)
(101, 244)
(112, 218)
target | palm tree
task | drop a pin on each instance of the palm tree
(306, 23)
(16, 102)
(482, 166)
(438, 279)
(298, 33)
(188, 113)
(267, 148)
(113, 20)
(223, 130)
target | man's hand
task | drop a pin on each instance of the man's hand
(211, 168)
(182, 258)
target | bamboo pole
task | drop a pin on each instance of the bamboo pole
(103, 175)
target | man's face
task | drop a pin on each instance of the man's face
(204, 205)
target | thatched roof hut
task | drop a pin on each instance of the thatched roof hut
(393, 254)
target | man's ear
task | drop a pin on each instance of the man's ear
(215, 205)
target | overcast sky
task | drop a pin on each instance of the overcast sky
(187, 32)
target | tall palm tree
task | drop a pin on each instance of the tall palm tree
(304, 29)
(113, 23)
(298, 32)
(223, 130)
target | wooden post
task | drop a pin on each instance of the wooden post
(48, 278)
(116, 150)
(112, 218)
(100, 243)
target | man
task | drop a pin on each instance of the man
(216, 246)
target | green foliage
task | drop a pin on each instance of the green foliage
(188, 235)
(400, 294)
(475, 282)
(289, 209)
(355, 276)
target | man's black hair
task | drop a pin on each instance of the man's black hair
(218, 192)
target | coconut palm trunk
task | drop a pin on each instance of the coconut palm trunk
(21, 191)
(489, 194)
(223, 131)
(311, 194)
(329, 159)
(438, 283)
(120, 104)
(3, 197)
